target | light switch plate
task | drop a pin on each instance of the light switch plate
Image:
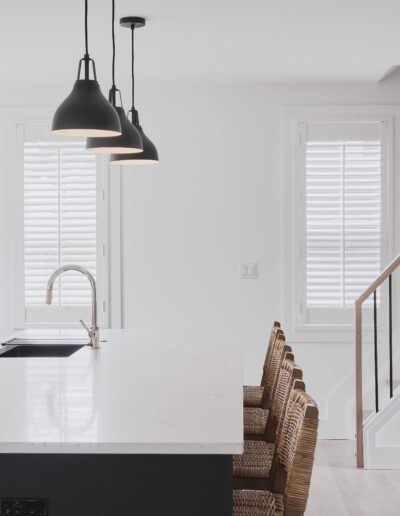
(248, 270)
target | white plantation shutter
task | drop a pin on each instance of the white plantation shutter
(343, 216)
(59, 219)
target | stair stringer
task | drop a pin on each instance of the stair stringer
(382, 436)
(369, 390)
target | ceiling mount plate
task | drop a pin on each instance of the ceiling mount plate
(135, 21)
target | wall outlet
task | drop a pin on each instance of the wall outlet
(248, 270)
(22, 506)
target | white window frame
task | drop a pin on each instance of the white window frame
(292, 205)
(14, 120)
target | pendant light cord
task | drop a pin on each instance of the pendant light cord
(86, 58)
(113, 43)
(86, 28)
(133, 68)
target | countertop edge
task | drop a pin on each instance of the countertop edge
(123, 448)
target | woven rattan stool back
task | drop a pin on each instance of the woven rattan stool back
(271, 372)
(295, 452)
(288, 373)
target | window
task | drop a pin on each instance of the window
(61, 192)
(59, 220)
(342, 216)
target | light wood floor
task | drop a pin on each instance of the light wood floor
(339, 489)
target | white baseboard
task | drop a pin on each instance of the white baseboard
(332, 429)
(383, 457)
(382, 438)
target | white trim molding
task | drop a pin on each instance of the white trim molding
(292, 118)
(382, 438)
(14, 121)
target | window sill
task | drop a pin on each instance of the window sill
(324, 333)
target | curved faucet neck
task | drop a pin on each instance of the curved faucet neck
(94, 330)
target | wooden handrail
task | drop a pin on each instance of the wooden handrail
(359, 358)
(379, 280)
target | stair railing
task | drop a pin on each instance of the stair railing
(385, 275)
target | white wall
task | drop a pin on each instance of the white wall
(215, 200)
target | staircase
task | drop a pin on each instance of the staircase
(377, 400)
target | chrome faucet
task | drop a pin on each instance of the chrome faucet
(93, 331)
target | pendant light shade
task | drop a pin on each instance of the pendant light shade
(86, 112)
(149, 155)
(129, 140)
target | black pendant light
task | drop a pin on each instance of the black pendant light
(130, 141)
(149, 154)
(86, 112)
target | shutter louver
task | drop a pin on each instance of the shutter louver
(59, 219)
(343, 220)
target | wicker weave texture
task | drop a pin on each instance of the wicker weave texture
(253, 395)
(271, 343)
(255, 420)
(279, 508)
(278, 354)
(256, 460)
(296, 448)
(289, 371)
(253, 503)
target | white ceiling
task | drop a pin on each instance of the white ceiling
(239, 40)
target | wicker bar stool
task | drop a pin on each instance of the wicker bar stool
(293, 464)
(255, 419)
(253, 394)
(252, 469)
(289, 374)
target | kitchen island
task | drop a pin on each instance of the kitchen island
(146, 425)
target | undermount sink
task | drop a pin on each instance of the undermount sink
(20, 348)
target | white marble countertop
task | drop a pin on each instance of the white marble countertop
(143, 392)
